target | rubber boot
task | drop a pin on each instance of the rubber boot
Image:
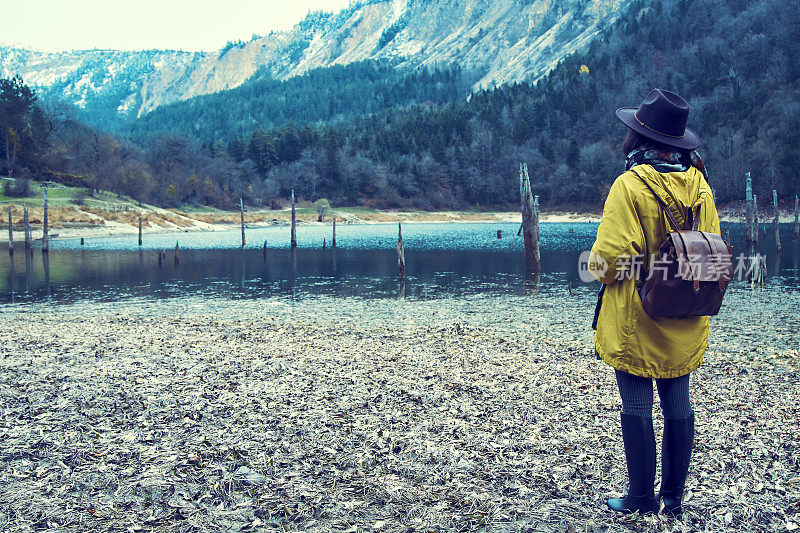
(676, 451)
(640, 454)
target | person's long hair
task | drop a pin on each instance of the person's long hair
(634, 140)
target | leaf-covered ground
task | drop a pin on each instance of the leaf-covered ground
(118, 420)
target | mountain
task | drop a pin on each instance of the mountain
(500, 41)
(325, 95)
(96, 80)
(739, 70)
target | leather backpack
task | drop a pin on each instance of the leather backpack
(691, 270)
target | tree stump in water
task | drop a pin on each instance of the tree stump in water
(294, 221)
(27, 228)
(777, 220)
(530, 220)
(241, 212)
(401, 252)
(45, 244)
(750, 236)
(755, 220)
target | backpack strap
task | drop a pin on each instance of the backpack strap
(696, 218)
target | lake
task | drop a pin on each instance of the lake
(444, 260)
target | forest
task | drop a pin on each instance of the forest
(323, 95)
(369, 135)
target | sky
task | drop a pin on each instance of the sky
(190, 25)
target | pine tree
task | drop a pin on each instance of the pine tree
(16, 102)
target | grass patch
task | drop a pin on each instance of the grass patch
(61, 195)
(197, 209)
(354, 210)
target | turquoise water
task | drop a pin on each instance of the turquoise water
(443, 260)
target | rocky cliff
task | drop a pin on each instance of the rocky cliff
(501, 41)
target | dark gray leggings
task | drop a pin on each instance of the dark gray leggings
(637, 396)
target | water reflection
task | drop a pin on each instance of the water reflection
(531, 283)
(12, 277)
(242, 259)
(29, 270)
(46, 265)
(443, 260)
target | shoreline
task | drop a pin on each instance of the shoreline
(162, 221)
(190, 222)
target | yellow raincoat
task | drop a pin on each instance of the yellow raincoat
(634, 225)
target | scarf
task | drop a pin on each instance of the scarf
(666, 160)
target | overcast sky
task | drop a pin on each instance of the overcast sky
(142, 24)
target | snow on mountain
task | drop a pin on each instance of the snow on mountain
(503, 41)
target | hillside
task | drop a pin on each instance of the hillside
(107, 84)
(739, 70)
(501, 41)
(325, 95)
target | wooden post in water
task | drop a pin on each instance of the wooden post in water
(176, 253)
(777, 220)
(294, 231)
(265, 251)
(10, 233)
(401, 251)
(499, 234)
(323, 243)
(530, 220)
(796, 217)
(45, 245)
(748, 215)
(27, 228)
(140, 229)
(333, 244)
(81, 241)
(241, 212)
(755, 220)
(536, 224)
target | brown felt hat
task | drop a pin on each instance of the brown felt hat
(662, 116)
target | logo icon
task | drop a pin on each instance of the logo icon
(591, 266)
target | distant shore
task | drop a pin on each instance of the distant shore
(173, 221)
(109, 216)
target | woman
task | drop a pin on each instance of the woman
(661, 159)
